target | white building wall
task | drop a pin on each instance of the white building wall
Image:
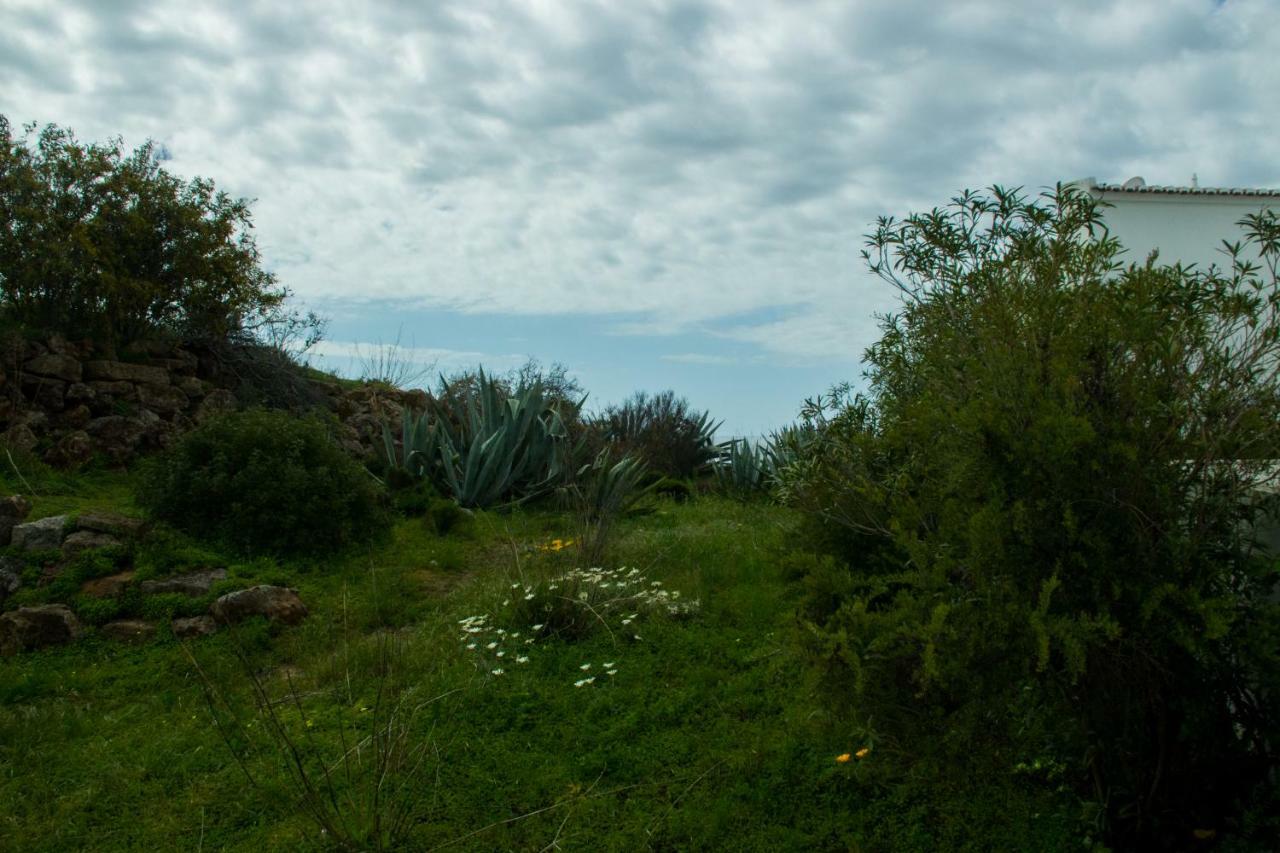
(1184, 228)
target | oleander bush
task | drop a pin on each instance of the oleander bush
(1045, 505)
(265, 482)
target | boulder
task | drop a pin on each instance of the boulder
(123, 371)
(34, 419)
(416, 399)
(217, 402)
(72, 450)
(78, 392)
(109, 587)
(42, 535)
(76, 417)
(129, 631)
(116, 436)
(21, 437)
(164, 399)
(190, 385)
(194, 584)
(12, 510)
(86, 540)
(29, 628)
(49, 394)
(105, 521)
(10, 576)
(56, 366)
(118, 390)
(177, 362)
(194, 626)
(277, 603)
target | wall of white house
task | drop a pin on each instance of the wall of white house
(1184, 228)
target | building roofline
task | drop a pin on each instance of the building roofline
(1136, 186)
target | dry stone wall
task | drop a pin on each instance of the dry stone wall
(68, 403)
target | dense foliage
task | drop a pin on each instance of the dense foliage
(96, 242)
(674, 439)
(265, 482)
(1049, 501)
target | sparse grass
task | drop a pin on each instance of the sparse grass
(705, 738)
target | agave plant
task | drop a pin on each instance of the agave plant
(416, 451)
(492, 446)
(743, 466)
(602, 492)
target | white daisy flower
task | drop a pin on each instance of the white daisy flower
(585, 667)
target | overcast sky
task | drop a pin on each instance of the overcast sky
(657, 194)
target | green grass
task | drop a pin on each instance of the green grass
(706, 738)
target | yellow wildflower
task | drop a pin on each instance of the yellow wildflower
(843, 758)
(862, 753)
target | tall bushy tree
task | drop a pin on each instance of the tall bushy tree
(96, 242)
(1049, 499)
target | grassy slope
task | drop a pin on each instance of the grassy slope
(706, 737)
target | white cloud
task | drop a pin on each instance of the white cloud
(678, 162)
(358, 357)
(702, 358)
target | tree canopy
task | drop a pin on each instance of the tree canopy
(100, 243)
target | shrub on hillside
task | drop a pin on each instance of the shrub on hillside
(265, 482)
(96, 242)
(1048, 500)
(674, 439)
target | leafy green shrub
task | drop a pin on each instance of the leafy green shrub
(445, 516)
(97, 242)
(1047, 501)
(265, 482)
(96, 611)
(675, 440)
(165, 551)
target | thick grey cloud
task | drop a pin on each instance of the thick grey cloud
(681, 163)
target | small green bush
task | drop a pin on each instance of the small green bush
(265, 482)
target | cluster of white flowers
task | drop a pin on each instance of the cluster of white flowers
(620, 594)
(615, 590)
(610, 669)
(477, 628)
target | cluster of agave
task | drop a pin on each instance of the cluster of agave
(485, 447)
(568, 606)
(746, 466)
